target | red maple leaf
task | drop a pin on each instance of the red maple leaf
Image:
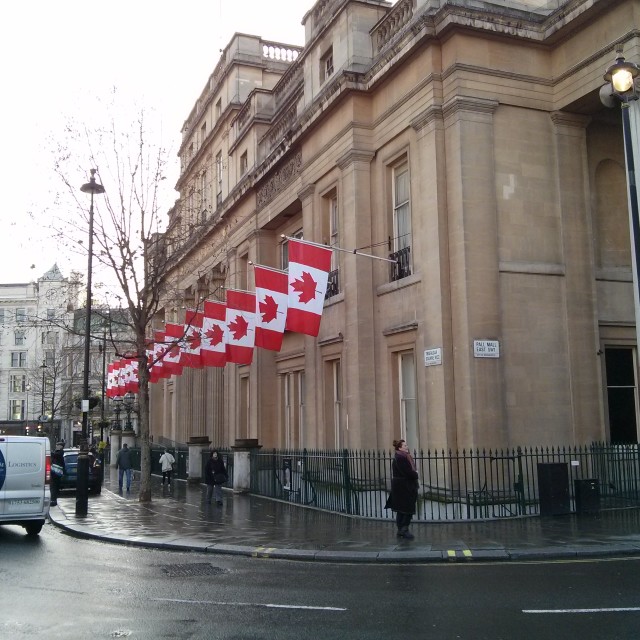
(194, 340)
(268, 309)
(238, 327)
(174, 351)
(305, 286)
(215, 335)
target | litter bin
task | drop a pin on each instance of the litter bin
(587, 495)
(553, 488)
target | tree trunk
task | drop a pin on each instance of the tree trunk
(143, 402)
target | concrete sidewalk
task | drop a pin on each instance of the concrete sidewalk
(179, 518)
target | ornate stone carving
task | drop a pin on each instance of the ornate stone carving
(279, 179)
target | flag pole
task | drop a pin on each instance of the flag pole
(355, 252)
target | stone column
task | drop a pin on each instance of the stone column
(580, 293)
(242, 464)
(197, 444)
(356, 281)
(474, 268)
(115, 440)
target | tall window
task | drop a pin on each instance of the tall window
(203, 133)
(622, 394)
(51, 315)
(21, 315)
(16, 410)
(18, 383)
(50, 358)
(244, 164)
(333, 395)
(20, 338)
(401, 244)
(218, 109)
(293, 409)
(326, 64)
(219, 178)
(285, 249)
(18, 358)
(408, 406)
(203, 197)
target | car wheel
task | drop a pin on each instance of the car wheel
(33, 528)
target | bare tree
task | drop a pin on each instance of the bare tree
(129, 236)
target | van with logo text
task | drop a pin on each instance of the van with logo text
(25, 473)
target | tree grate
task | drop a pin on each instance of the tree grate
(188, 570)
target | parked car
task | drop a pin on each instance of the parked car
(25, 465)
(70, 477)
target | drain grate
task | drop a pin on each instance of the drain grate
(189, 570)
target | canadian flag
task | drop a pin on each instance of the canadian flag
(158, 370)
(133, 383)
(241, 323)
(212, 350)
(111, 381)
(173, 336)
(190, 346)
(309, 266)
(118, 381)
(271, 307)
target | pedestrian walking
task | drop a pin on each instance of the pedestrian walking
(123, 465)
(57, 458)
(167, 461)
(215, 477)
(404, 488)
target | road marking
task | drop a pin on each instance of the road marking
(467, 553)
(250, 604)
(452, 554)
(601, 610)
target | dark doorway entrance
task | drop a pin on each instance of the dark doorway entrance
(621, 394)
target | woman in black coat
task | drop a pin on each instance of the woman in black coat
(404, 488)
(215, 477)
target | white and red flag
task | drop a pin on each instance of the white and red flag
(173, 334)
(271, 307)
(111, 377)
(213, 351)
(309, 266)
(156, 359)
(190, 346)
(241, 324)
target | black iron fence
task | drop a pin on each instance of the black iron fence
(463, 485)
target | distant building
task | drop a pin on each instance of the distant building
(34, 322)
(466, 143)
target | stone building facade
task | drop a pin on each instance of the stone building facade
(465, 142)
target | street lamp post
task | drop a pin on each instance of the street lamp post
(620, 78)
(43, 366)
(82, 488)
(129, 400)
(26, 430)
(117, 409)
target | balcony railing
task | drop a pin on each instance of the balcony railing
(333, 285)
(401, 267)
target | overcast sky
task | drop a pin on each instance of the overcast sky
(58, 57)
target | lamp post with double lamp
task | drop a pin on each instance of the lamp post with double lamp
(620, 87)
(82, 487)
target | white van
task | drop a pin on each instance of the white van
(25, 473)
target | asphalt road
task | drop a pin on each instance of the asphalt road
(60, 587)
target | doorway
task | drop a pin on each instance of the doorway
(622, 394)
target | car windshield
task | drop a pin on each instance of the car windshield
(71, 458)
